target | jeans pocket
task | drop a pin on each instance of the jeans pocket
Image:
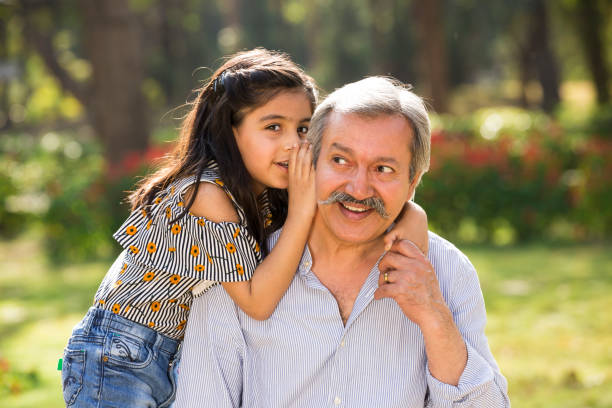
(123, 350)
(73, 367)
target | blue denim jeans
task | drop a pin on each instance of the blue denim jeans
(113, 362)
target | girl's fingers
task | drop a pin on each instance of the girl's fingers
(293, 160)
(308, 165)
(301, 160)
(390, 238)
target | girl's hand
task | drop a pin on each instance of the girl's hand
(301, 182)
(410, 225)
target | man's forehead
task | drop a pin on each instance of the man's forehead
(343, 128)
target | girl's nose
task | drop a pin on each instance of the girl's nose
(292, 137)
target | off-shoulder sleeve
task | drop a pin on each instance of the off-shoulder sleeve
(192, 246)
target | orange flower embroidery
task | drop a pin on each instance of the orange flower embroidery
(199, 267)
(148, 276)
(151, 324)
(143, 212)
(181, 325)
(123, 269)
(151, 247)
(195, 251)
(236, 232)
(127, 309)
(201, 222)
(180, 204)
(230, 247)
(219, 182)
(174, 279)
(176, 229)
(240, 269)
(119, 282)
(116, 308)
(149, 223)
(101, 301)
(134, 249)
(172, 190)
(209, 258)
(155, 306)
(131, 230)
(172, 249)
(184, 306)
(256, 247)
(171, 300)
(268, 220)
(157, 200)
(168, 213)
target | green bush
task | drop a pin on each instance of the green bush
(60, 185)
(509, 175)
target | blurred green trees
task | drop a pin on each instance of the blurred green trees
(85, 87)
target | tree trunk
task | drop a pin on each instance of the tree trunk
(591, 29)
(524, 62)
(432, 51)
(380, 62)
(118, 108)
(5, 118)
(543, 57)
(312, 28)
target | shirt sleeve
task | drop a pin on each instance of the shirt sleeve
(211, 363)
(192, 246)
(481, 383)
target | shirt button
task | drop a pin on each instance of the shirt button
(307, 264)
(337, 401)
(342, 343)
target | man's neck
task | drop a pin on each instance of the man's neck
(340, 266)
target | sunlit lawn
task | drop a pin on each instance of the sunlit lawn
(549, 308)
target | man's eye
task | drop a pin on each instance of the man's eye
(339, 160)
(275, 127)
(384, 169)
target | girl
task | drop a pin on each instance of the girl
(240, 170)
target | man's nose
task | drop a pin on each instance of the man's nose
(359, 184)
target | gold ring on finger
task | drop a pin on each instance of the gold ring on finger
(386, 276)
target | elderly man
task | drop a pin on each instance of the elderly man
(358, 327)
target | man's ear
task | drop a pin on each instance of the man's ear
(413, 185)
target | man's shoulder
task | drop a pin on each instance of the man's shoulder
(273, 238)
(448, 261)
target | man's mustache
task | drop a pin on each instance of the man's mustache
(372, 202)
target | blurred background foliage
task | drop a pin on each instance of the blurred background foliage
(91, 95)
(520, 98)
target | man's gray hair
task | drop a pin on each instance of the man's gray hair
(372, 97)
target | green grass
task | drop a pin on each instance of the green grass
(550, 325)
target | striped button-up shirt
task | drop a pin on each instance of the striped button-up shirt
(304, 356)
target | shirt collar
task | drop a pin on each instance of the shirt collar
(305, 265)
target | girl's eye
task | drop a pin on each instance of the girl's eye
(275, 128)
(339, 160)
(384, 169)
(302, 129)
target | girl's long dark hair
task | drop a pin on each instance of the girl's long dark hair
(247, 80)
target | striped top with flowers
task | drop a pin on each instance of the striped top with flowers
(165, 264)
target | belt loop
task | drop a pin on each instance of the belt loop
(159, 343)
(89, 318)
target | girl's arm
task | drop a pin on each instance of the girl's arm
(410, 225)
(259, 296)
